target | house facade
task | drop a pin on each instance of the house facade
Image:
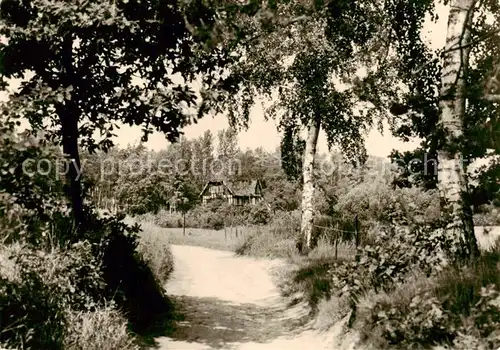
(242, 193)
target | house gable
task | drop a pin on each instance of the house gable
(215, 187)
(235, 193)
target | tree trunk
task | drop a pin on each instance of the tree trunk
(70, 149)
(69, 116)
(452, 172)
(307, 206)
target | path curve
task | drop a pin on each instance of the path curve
(231, 302)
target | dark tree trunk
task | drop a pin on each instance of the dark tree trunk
(69, 116)
(70, 148)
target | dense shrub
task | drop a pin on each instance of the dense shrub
(258, 215)
(422, 314)
(31, 314)
(129, 280)
(481, 329)
(165, 219)
(44, 280)
(50, 300)
(60, 270)
(285, 224)
(458, 306)
(214, 215)
(156, 253)
(103, 328)
(37, 289)
(376, 200)
(389, 259)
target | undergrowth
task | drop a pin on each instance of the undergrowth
(402, 292)
(59, 284)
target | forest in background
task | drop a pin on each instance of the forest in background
(417, 279)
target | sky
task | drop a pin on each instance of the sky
(264, 134)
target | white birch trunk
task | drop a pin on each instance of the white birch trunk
(452, 170)
(308, 188)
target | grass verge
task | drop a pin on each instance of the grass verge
(214, 239)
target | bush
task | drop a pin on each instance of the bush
(214, 215)
(31, 315)
(36, 288)
(258, 214)
(129, 280)
(285, 224)
(157, 254)
(389, 259)
(103, 328)
(375, 200)
(459, 306)
(166, 219)
(49, 268)
(481, 330)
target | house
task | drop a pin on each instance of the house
(234, 193)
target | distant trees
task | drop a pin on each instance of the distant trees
(139, 180)
(184, 197)
(203, 157)
(227, 151)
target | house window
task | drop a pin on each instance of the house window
(216, 190)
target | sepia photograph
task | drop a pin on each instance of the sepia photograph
(249, 174)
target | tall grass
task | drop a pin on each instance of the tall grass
(103, 328)
(155, 250)
(214, 239)
(46, 301)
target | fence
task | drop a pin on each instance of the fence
(339, 233)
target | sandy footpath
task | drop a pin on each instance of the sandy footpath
(230, 302)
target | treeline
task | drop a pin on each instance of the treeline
(139, 180)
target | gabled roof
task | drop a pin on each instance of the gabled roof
(244, 188)
(235, 188)
(215, 182)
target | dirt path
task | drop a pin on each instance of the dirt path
(229, 302)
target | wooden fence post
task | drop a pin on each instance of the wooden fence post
(356, 229)
(337, 234)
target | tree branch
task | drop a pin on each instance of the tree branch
(492, 98)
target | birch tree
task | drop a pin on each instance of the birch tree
(452, 171)
(459, 94)
(306, 57)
